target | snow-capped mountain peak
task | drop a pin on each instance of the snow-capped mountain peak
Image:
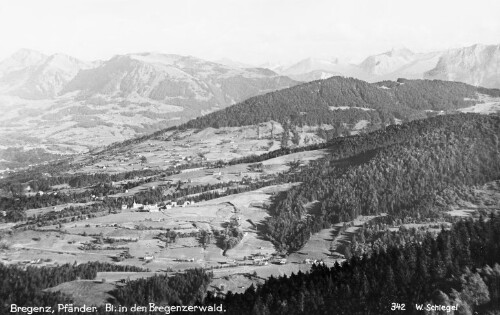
(387, 62)
(234, 64)
(156, 58)
(33, 75)
(312, 64)
(21, 59)
(401, 52)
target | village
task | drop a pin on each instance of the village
(220, 235)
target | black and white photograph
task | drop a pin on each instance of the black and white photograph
(250, 157)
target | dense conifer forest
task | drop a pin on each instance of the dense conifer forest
(399, 171)
(460, 267)
(380, 103)
(24, 286)
(457, 268)
(182, 289)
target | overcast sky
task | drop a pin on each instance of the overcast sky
(252, 31)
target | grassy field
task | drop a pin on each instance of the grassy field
(65, 245)
(40, 211)
(175, 148)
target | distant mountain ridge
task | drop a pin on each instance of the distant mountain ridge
(477, 65)
(66, 105)
(178, 80)
(32, 75)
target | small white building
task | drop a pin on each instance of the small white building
(151, 208)
(137, 205)
(124, 207)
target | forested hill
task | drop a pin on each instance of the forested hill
(340, 102)
(400, 171)
(458, 268)
(316, 103)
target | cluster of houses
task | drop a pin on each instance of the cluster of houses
(263, 260)
(29, 191)
(313, 261)
(155, 207)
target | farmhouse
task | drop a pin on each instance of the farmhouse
(186, 203)
(151, 208)
(310, 261)
(259, 257)
(137, 205)
(260, 262)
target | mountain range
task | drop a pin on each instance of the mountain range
(309, 114)
(477, 65)
(67, 105)
(64, 105)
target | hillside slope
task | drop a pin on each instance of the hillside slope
(347, 100)
(63, 105)
(303, 115)
(399, 170)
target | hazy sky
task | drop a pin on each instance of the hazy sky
(253, 31)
